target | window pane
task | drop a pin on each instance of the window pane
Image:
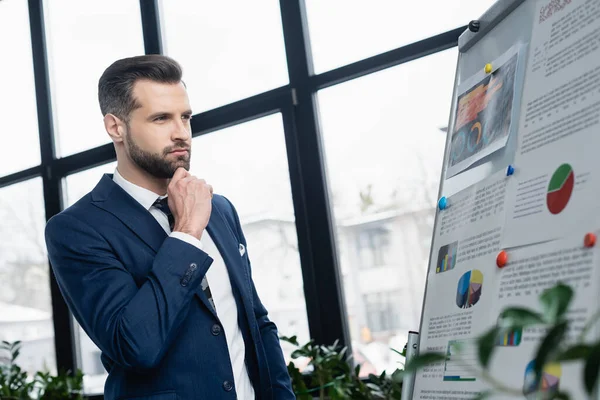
(229, 50)
(247, 163)
(18, 111)
(25, 302)
(384, 166)
(75, 187)
(345, 31)
(78, 185)
(83, 39)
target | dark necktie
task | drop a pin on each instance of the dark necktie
(163, 205)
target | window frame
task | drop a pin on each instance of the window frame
(296, 102)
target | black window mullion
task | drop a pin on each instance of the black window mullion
(151, 26)
(323, 287)
(63, 327)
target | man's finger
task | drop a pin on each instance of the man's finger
(179, 174)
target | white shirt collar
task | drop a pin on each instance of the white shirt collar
(143, 196)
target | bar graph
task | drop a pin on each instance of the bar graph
(461, 361)
(510, 338)
(446, 257)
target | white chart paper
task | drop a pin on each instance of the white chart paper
(461, 284)
(556, 182)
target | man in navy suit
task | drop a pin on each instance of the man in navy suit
(153, 267)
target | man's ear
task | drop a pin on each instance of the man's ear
(115, 128)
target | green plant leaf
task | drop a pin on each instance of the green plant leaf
(299, 353)
(292, 340)
(592, 367)
(398, 376)
(555, 302)
(576, 352)
(517, 317)
(560, 396)
(400, 353)
(486, 344)
(550, 344)
(484, 395)
(423, 360)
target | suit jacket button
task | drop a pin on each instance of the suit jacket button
(227, 386)
(216, 330)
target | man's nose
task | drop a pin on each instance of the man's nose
(181, 131)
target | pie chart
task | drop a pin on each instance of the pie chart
(549, 382)
(560, 189)
(469, 287)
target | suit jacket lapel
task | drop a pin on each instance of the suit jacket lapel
(228, 247)
(110, 197)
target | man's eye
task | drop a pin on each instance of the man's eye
(160, 118)
(187, 117)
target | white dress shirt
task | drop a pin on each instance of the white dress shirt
(218, 280)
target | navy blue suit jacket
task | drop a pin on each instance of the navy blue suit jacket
(137, 294)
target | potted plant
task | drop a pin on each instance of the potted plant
(332, 376)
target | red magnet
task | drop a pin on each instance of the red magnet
(589, 240)
(501, 259)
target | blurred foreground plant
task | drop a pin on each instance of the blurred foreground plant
(555, 347)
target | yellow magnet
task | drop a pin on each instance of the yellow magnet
(488, 68)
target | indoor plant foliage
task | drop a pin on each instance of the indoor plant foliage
(332, 376)
(16, 384)
(555, 346)
(61, 386)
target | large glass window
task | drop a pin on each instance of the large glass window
(228, 49)
(25, 305)
(345, 31)
(384, 138)
(20, 147)
(247, 164)
(88, 354)
(83, 39)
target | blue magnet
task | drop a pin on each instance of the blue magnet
(510, 170)
(443, 203)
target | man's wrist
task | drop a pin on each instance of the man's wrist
(187, 238)
(192, 232)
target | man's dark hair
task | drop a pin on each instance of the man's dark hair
(115, 88)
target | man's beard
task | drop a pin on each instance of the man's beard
(155, 164)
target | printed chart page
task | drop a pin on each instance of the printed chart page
(529, 271)
(461, 288)
(556, 182)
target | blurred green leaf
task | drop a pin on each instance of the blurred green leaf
(486, 344)
(401, 353)
(517, 317)
(592, 366)
(576, 352)
(560, 396)
(398, 376)
(292, 339)
(550, 344)
(555, 302)
(423, 360)
(484, 395)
